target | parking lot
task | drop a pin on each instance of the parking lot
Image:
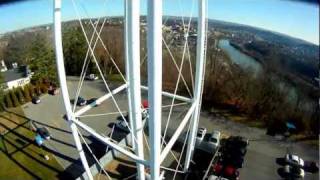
(259, 161)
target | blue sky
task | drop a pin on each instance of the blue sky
(296, 19)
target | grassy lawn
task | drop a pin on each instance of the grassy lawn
(20, 158)
(115, 78)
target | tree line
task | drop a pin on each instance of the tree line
(21, 95)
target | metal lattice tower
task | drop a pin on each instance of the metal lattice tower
(133, 86)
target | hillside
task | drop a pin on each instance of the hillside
(285, 55)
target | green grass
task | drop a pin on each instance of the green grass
(115, 78)
(20, 158)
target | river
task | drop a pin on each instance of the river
(247, 62)
(238, 57)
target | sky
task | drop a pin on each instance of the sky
(297, 19)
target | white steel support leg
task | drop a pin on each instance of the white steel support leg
(133, 60)
(127, 59)
(154, 44)
(63, 83)
(198, 81)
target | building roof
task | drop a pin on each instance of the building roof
(13, 74)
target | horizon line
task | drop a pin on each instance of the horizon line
(118, 16)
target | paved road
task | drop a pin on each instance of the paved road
(259, 162)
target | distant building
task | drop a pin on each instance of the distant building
(3, 66)
(16, 77)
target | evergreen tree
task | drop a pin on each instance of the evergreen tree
(26, 93)
(74, 49)
(8, 101)
(38, 89)
(42, 61)
(31, 90)
(1, 91)
(14, 98)
(43, 88)
(19, 93)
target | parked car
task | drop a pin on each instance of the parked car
(213, 177)
(293, 172)
(237, 160)
(126, 117)
(231, 172)
(36, 100)
(200, 135)
(294, 160)
(233, 151)
(44, 133)
(53, 90)
(236, 145)
(226, 171)
(145, 112)
(93, 101)
(122, 125)
(91, 77)
(218, 168)
(81, 101)
(241, 141)
(214, 139)
(311, 166)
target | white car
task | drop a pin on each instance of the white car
(200, 135)
(213, 177)
(92, 77)
(294, 160)
(293, 172)
(214, 140)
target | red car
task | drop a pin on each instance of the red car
(228, 171)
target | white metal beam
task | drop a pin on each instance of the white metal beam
(133, 58)
(126, 44)
(177, 132)
(108, 142)
(100, 100)
(198, 80)
(63, 83)
(164, 93)
(154, 44)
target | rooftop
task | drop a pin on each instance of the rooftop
(14, 74)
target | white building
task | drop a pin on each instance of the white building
(16, 77)
(3, 66)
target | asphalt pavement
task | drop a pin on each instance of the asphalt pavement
(259, 161)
